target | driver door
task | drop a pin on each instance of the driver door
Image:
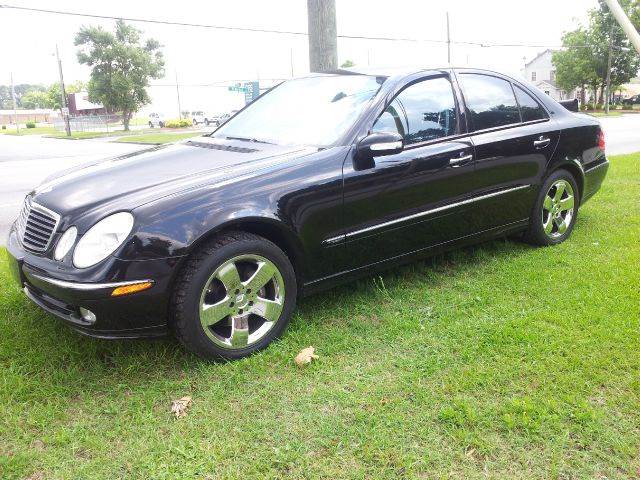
(410, 201)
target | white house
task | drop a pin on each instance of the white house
(541, 72)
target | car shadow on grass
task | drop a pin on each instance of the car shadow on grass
(42, 343)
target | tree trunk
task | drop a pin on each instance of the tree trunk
(126, 118)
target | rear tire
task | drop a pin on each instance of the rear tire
(555, 211)
(233, 296)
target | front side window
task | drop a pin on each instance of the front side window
(529, 108)
(421, 112)
(490, 101)
(306, 111)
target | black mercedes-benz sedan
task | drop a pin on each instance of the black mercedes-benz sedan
(322, 179)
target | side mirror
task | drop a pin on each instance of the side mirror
(379, 144)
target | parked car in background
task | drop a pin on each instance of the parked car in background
(156, 120)
(631, 101)
(226, 116)
(322, 179)
(200, 117)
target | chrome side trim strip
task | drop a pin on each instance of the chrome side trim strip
(600, 165)
(87, 286)
(331, 240)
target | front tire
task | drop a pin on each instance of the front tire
(233, 297)
(555, 211)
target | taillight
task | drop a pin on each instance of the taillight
(601, 140)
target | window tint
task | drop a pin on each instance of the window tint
(490, 101)
(421, 112)
(530, 109)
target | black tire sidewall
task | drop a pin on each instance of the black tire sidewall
(536, 228)
(192, 331)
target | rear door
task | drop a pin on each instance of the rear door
(514, 139)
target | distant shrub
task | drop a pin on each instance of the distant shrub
(177, 123)
(4, 127)
(31, 124)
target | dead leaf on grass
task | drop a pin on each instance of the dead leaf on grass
(179, 407)
(305, 356)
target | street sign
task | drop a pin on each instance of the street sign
(252, 91)
(238, 87)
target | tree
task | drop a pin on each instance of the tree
(53, 93)
(609, 36)
(576, 65)
(34, 99)
(122, 66)
(584, 59)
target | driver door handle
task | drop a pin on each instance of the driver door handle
(459, 161)
(542, 142)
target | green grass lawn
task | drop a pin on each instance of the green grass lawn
(152, 136)
(29, 131)
(498, 361)
(158, 138)
(612, 113)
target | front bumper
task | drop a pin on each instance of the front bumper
(139, 315)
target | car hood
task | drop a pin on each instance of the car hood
(128, 181)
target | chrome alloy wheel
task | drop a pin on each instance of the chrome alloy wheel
(558, 208)
(242, 301)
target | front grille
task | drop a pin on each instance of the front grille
(36, 225)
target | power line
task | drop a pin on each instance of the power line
(281, 32)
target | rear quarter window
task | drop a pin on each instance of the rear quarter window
(530, 109)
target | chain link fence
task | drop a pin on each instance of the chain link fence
(90, 123)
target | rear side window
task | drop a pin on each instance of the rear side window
(490, 101)
(421, 112)
(529, 108)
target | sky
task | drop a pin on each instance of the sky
(204, 56)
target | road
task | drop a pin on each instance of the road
(25, 161)
(622, 134)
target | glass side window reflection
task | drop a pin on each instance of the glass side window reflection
(421, 112)
(530, 109)
(490, 101)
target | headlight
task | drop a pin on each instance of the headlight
(102, 239)
(65, 243)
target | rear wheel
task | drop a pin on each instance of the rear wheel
(555, 211)
(233, 297)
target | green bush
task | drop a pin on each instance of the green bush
(31, 124)
(4, 127)
(177, 123)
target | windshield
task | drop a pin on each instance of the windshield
(305, 111)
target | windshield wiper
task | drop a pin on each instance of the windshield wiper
(249, 139)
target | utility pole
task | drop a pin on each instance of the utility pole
(608, 86)
(448, 42)
(625, 23)
(15, 113)
(64, 107)
(291, 61)
(178, 93)
(323, 39)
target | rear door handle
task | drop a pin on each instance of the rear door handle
(459, 161)
(542, 142)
